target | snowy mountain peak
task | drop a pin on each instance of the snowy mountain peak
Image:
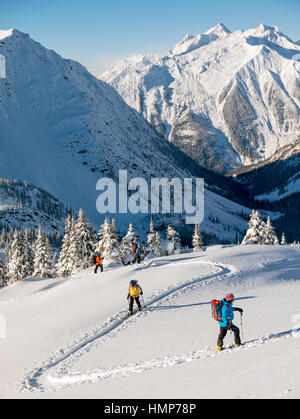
(220, 30)
(13, 32)
(6, 33)
(226, 99)
(193, 42)
(263, 28)
(270, 36)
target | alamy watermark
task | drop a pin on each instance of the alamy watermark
(161, 196)
(2, 67)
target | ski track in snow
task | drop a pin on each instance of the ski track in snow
(55, 373)
(59, 382)
(37, 379)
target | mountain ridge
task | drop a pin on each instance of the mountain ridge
(236, 94)
(62, 129)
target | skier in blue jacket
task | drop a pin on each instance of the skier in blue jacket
(226, 322)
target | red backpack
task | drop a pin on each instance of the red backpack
(216, 310)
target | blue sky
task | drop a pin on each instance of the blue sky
(100, 32)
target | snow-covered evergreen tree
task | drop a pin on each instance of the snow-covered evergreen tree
(63, 268)
(256, 231)
(78, 246)
(3, 274)
(270, 236)
(43, 257)
(51, 268)
(151, 239)
(3, 238)
(197, 239)
(85, 242)
(173, 244)
(73, 256)
(17, 265)
(8, 244)
(104, 233)
(126, 246)
(108, 244)
(28, 254)
(157, 244)
(154, 242)
(283, 239)
(114, 229)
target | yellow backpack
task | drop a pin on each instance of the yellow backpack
(134, 291)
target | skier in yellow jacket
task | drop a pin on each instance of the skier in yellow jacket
(134, 293)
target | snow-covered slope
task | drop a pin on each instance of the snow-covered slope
(70, 338)
(226, 99)
(62, 129)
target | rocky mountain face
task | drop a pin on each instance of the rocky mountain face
(226, 99)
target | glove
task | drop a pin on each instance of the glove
(240, 310)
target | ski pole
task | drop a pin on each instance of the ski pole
(242, 331)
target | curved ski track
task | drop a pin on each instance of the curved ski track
(40, 379)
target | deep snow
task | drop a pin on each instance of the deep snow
(71, 338)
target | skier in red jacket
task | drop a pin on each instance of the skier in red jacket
(98, 262)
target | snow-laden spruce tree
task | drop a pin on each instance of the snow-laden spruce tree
(73, 256)
(283, 239)
(270, 236)
(256, 231)
(3, 274)
(114, 229)
(104, 233)
(3, 238)
(63, 268)
(17, 264)
(29, 254)
(85, 242)
(157, 245)
(43, 257)
(126, 246)
(197, 239)
(173, 241)
(78, 246)
(52, 260)
(108, 245)
(151, 240)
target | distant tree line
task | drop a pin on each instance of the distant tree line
(29, 253)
